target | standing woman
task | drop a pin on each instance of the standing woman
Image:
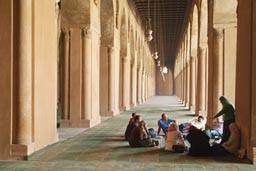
(228, 112)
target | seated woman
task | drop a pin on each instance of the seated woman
(232, 145)
(172, 137)
(199, 142)
(139, 137)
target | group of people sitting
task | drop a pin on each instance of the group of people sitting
(137, 133)
(230, 138)
(193, 131)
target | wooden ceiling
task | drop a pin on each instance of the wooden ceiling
(166, 20)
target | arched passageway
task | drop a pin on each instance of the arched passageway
(103, 147)
(106, 64)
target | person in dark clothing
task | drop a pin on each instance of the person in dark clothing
(228, 112)
(132, 125)
(199, 142)
(139, 137)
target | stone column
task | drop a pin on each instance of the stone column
(201, 80)
(188, 84)
(134, 83)
(146, 86)
(126, 82)
(87, 75)
(22, 139)
(192, 83)
(139, 88)
(181, 78)
(143, 85)
(217, 69)
(24, 135)
(65, 91)
(111, 95)
(184, 83)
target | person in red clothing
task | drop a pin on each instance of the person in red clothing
(132, 118)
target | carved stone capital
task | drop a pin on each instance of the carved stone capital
(111, 50)
(218, 33)
(66, 32)
(192, 58)
(86, 32)
(126, 59)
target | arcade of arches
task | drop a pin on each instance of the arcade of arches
(89, 59)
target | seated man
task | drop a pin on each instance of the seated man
(139, 137)
(132, 118)
(132, 125)
(199, 123)
(164, 123)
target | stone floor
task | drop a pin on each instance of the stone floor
(103, 147)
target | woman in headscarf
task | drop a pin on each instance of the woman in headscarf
(232, 145)
(173, 136)
(228, 112)
(199, 142)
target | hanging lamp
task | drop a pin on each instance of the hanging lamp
(149, 31)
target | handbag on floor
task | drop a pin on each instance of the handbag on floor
(180, 147)
(177, 148)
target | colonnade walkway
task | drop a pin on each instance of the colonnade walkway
(102, 148)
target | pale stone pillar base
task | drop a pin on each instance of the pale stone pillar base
(183, 102)
(111, 113)
(254, 155)
(80, 124)
(127, 107)
(133, 105)
(21, 152)
(187, 104)
(192, 108)
(122, 109)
